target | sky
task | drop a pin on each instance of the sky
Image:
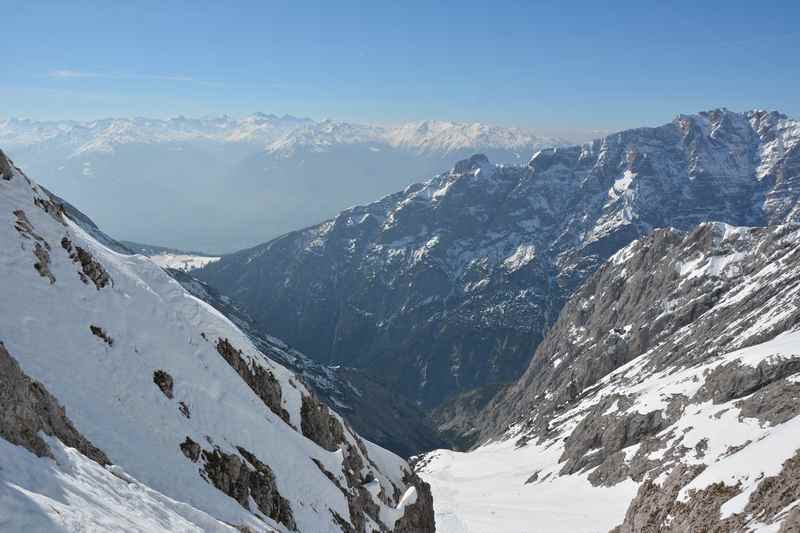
(555, 67)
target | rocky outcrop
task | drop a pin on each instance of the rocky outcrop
(164, 382)
(259, 379)
(101, 334)
(91, 270)
(5, 167)
(319, 425)
(244, 478)
(41, 248)
(191, 449)
(658, 508)
(42, 264)
(27, 408)
(598, 437)
(418, 517)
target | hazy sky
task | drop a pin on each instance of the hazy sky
(552, 66)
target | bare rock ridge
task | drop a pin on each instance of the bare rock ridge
(639, 301)
(5, 167)
(26, 408)
(260, 380)
(450, 284)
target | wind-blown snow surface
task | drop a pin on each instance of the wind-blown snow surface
(106, 383)
(713, 393)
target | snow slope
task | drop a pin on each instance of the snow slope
(93, 326)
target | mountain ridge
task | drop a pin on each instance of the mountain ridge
(459, 277)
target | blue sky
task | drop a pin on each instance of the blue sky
(553, 66)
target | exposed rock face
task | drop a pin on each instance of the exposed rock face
(26, 408)
(676, 367)
(5, 167)
(418, 517)
(91, 270)
(191, 449)
(100, 333)
(42, 265)
(245, 477)
(164, 382)
(659, 508)
(41, 248)
(318, 424)
(259, 379)
(451, 284)
(647, 294)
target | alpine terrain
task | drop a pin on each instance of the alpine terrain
(665, 398)
(451, 284)
(127, 404)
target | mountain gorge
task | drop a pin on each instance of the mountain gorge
(451, 284)
(129, 405)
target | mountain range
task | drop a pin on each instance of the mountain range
(450, 284)
(607, 338)
(252, 178)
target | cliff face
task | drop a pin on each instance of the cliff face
(665, 398)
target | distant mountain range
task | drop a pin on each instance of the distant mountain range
(220, 184)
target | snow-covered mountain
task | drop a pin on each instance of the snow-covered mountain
(106, 135)
(252, 178)
(127, 404)
(665, 398)
(451, 284)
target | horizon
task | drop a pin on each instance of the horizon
(576, 137)
(553, 71)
